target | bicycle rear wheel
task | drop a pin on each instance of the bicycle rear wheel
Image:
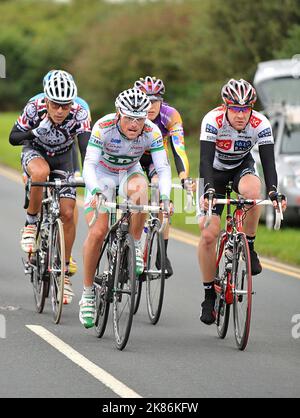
(57, 269)
(242, 300)
(222, 308)
(124, 292)
(102, 290)
(155, 273)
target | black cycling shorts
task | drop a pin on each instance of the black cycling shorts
(222, 178)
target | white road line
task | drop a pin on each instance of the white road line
(101, 375)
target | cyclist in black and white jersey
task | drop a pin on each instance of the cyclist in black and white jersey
(47, 128)
(228, 133)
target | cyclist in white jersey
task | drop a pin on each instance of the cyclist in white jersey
(116, 145)
(228, 133)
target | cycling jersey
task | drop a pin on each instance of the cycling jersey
(170, 123)
(111, 153)
(230, 147)
(233, 146)
(61, 137)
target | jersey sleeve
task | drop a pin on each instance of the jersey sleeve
(92, 157)
(28, 118)
(176, 133)
(264, 133)
(161, 163)
(209, 129)
(83, 121)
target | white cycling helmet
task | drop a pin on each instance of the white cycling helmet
(59, 87)
(151, 86)
(238, 92)
(133, 103)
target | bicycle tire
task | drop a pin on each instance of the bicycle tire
(242, 292)
(101, 290)
(124, 292)
(222, 308)
(139, 287)
(57, 269)
(38, 279)
(155, 281)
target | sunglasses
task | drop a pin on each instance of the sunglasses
(237, 109)
(56, 106)
(129, 119)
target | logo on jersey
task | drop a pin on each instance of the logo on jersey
(224, 144)
(219, 120)
(116, 141)
(242, 145)
(265, 133)
(211, 129)
(254, 121)
(81, 115)
(30, 110)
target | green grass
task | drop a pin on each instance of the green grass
(9, 155)
(282, 245)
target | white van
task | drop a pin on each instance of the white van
(278, 87)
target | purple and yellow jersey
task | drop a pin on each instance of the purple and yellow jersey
(170, 123)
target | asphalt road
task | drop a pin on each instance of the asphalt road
(177, 358)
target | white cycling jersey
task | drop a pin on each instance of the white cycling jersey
(110, 153)
(233, 146)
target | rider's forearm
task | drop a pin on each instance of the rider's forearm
(207, 154)
(91, 161)
(17, 137)
(267, 158)
(83, 140)
(163, 170)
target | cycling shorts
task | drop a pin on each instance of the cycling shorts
(222, 178)
(61, 166)
(109, 182)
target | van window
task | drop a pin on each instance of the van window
(280, 91)
(291, 140)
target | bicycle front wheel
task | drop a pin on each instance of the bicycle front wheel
(57, 269)
(222, 308)
(155, 274)
(102, 290)
(242, 300)
(124, 292)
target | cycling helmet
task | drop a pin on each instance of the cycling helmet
(59, 87)
(48, 75)
(238, 92)
(151, 86)
(133, 102)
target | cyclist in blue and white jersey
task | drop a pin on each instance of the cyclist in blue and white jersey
(117, 143)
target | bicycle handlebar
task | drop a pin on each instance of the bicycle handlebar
(123, 206)
(59, 183)
(253, 202)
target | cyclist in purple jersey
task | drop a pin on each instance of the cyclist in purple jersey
(169, 121)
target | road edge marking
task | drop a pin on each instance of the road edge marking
(97, 372)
